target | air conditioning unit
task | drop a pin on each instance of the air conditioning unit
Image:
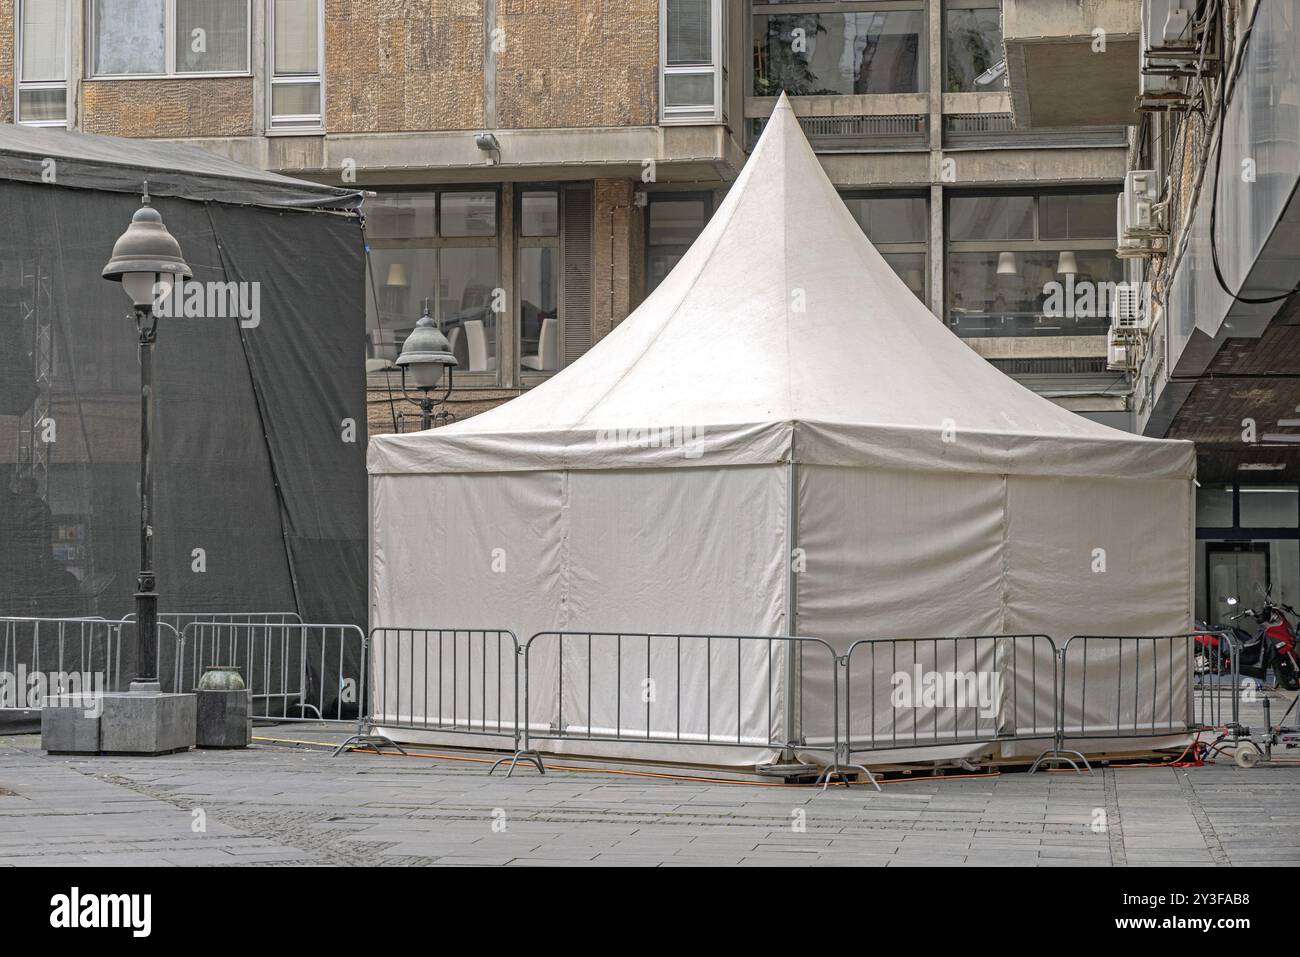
(1128, 309)
(1166, 26)
(1141, 193)
(1128, 246)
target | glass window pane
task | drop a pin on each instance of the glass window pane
(688, 90)
(129, 37)
(676, 222)
(1269, 507)
(539, 329)
(297, 37)
(42, 106)
(690, 32)
(295, 99)
(992, 217)
(466, 292)
(891, 219)
(469, 214)
(399, 282)
(825, 53)
(1214, 506)
(401, 215)
(45, 34)
(911, 269)
(982, 301)
(211, 36)
(539, 214)
(659, 263)
(973, 46)
(1080, 216)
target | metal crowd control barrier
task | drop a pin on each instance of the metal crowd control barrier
(1217, 685)
(718, 691)
(68, 656)
(453, 680)
(948, 692)
(171, 667)
(1138, 687)
(288, 666)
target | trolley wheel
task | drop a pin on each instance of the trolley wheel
(1247, 755)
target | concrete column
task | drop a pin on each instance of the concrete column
(618, 257)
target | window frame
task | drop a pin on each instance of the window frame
(1035, 244)
(21, 85)
(955, 5)
(708, 197)
(910, 247)
(289, 79)
(533, 377)
(688, 115)
(169, 49)
(436, 243)
(765, 8)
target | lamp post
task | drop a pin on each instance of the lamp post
(147, 262)
(425, 353)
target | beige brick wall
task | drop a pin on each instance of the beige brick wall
(619, 255)
(463, 403)
(403, 65)
(577, 63)
(6, 61)
(169, 108)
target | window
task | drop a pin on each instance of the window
(1031, 264)
(898, 226)
(297, 89)
(973, 58)
(857, 48)
(169, 37)
(691, 72)
(43, 63)
(673, 222)
(539, 280)
(437, 247)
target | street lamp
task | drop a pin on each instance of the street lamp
(425, 353)
(147, 262)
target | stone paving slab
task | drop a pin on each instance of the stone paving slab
(281, 805)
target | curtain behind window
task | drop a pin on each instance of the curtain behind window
(211, 36)
(45, 27)
(296, 38)
(690, 32)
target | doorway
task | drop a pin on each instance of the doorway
(1235, 570)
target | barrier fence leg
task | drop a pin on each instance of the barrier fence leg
(523, 751)
(1058, 753)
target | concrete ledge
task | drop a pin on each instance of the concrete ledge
(119, 724)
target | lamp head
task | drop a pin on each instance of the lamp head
(425, 353)
(147, 259)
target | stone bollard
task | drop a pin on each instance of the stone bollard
(225, 713)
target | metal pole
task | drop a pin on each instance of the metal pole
(426, 413)
(146, 596)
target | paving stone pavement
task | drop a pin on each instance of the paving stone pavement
(281, 805)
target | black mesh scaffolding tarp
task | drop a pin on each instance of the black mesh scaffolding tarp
(260, 430)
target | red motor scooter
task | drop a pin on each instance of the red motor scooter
(1270, 645)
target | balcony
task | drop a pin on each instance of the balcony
(1057, 73)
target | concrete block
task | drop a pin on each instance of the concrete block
(225, 719)
(70, 724)
(147, 723)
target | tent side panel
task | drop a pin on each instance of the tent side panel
(601, 551)
(1107, 557)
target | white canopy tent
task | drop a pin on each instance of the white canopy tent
(781, 440)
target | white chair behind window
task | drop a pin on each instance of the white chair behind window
(478, 352)
(548, 348)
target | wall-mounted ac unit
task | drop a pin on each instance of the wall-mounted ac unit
(1119, 353)
(1129, 310)
(1166, 26)
(1141, 193)
(1127, 245)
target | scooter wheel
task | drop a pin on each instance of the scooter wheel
(1247, 755)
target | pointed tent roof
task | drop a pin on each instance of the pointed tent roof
(782, 318)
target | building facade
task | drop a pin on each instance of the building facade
(1211, 351)
(540, 165)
